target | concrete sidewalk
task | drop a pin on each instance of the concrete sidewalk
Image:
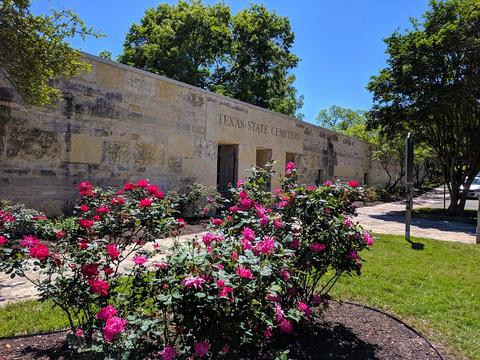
(19, 288)
(389, 218)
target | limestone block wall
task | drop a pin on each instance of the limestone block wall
(118, 123)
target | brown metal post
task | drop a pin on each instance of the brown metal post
(478, 222)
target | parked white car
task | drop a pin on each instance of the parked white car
(474, 190)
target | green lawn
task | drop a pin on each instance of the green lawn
(29, 317)
(437, 289)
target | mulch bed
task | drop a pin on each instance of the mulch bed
(347, 332)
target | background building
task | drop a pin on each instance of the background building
(120, 123)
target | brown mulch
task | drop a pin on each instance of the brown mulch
(346, 332)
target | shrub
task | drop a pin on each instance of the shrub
(266, 265)
(198, 201)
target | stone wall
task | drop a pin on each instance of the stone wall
(119, 123)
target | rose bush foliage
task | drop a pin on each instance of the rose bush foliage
(265, 266)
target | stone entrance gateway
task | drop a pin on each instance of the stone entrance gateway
(227, 167)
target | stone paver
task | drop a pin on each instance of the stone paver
(389, 218)
(19, 288)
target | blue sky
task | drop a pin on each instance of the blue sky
(339, 42)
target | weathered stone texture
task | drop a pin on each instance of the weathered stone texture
(118, 123)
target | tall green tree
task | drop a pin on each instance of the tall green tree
(34, 51)
(246, 56)
(347, 121)
(389, 151)
(431, 87)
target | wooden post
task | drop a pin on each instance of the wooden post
(478, 221)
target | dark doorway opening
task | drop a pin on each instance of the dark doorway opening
(227, 168)
(264, 156)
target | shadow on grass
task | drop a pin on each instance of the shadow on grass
(416, 245)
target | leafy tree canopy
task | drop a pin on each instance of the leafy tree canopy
(431, 87)
(33, 50)
(347, 121)
(246, 56)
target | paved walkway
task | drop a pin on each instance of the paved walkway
(389, 218)
(19, 288)
(383, 219)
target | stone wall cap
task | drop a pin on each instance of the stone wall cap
(299, 122)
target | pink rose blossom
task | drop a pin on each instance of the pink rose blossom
(304, 308)
(285, 275)
(208, 238)
(266, 246)
(168, 353)
(99, 286)
(117, 200)
(113, 326)
(112, 251)
(3, 240)
(368, 238)
(85, 223)
(328, 183)
(217, 222)
(89, 270)
(264, 221)
(29, 241)
(79, 332)
(274, 297)
(279, 313)
(107, 312)
(348, 222)
(201, 348)
(193, 281)
(128, 186)
(162, 265)
(60, 234)
(103, 209)
(181, 222)
(268, 333)
(146, 202)
(244, 273)
(286, 326)
(225, 291)
(317, 247)
(246, 245)
(260, 210)
(353, 255)
(311, 188)
(248, 234)
(140, 259)
(290, 167)
(39, 251)
(278, 223)
(294, 244)
(234, 256)
(84, 208)
(142, 183)
(353, 183)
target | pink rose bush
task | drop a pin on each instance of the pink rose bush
(265, 266)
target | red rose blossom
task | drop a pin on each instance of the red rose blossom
(144, 203)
